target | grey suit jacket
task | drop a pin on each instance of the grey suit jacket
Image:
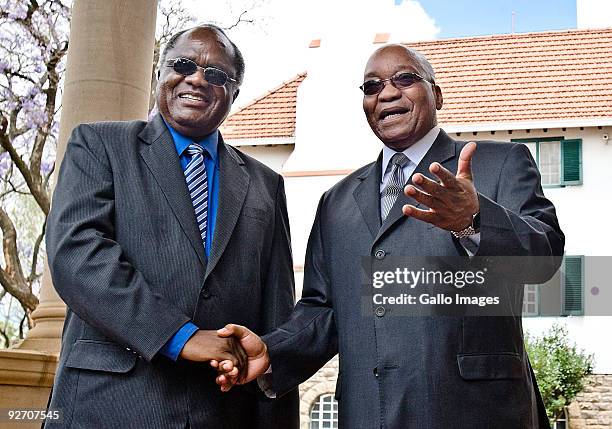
(419, 372)
(126, 256)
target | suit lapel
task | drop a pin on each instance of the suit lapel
(161, 158)
(233, 187)
(369, 185)
(441, 151)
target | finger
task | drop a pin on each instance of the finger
(241, 357)
(431, 187)
(226, 365)
(428, 216)
(419, 195)
(464, 168)
(225, 383)
(214, 363)
(447, 178)
(233, 330)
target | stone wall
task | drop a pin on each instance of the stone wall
(324, 381)
(592, 408)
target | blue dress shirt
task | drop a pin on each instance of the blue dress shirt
(173, 347)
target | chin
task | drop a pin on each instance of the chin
(396, 142)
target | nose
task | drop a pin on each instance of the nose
(389, 92)
(197, 78)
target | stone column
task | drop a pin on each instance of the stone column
(108, 77)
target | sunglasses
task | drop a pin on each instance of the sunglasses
(186, 67)
(400, 81)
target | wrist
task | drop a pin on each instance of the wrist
(471, 229)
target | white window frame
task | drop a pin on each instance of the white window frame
(531, 296)
(322, 418)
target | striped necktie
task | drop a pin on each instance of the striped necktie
(197, 184)
(395, 185)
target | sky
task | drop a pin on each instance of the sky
(275, 45)
(461, 18)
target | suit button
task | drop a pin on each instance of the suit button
(205, 293)
(380, 254)
(375, 371)
(380, 311)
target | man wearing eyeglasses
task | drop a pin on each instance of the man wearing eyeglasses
(160, 233)
(426, 195)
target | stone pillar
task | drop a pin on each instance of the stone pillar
(108, 76)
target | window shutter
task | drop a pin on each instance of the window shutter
(572, 286)
(571, 162)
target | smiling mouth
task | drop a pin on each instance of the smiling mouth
(390, 114)
(193, 97)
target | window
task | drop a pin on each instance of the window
(549, 162)
(572, 282)
(530, 301)
(559, 160)
(561, 421)
(324, 413)
(562, 295)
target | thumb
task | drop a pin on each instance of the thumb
(233, 330)
(464, 168)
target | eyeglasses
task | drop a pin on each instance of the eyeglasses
(400, 81)
(187, 67)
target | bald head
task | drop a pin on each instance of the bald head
(418, 59)
(401, 113)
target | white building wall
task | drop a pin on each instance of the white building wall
(274, 156)
(594, 13)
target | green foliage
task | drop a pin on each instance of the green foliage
(560, 368)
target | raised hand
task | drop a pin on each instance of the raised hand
(205, 346)
(453, 202)
(257, 356)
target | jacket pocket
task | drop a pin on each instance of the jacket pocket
(101, 356)
(491, 366)
(255, 213)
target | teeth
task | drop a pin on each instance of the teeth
(191, 97)
(392, 115)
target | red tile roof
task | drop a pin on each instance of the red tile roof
(523, 77)
(271, 115)
(545, 76)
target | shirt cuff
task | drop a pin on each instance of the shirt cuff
(264, 382)
(172, 349)
(470, 244)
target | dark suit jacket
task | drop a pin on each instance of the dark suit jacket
(419, 372)
(126, 256)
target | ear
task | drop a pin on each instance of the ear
(438, 96)
(235, 94)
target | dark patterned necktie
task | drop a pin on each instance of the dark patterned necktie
(395, 185)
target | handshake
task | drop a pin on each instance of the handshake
(237, 353)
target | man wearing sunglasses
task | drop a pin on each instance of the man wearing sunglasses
(426, 195)
(160, 233)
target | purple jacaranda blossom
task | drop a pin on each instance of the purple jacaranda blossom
(15, 9)
(46, 166)
(33, 92)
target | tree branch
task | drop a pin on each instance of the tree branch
(39, 240)
(239, 20)
(11, 276)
